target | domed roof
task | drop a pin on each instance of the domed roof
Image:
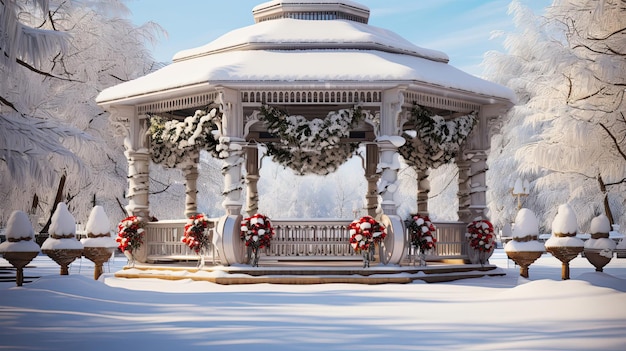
(298, 42)
(292, 34)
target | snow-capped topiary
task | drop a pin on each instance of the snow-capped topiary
(564, 229)
(62, 231)
(600, 225)
(526, 224)
(98, 229)
(565, 222)
(19, 234)
(525, 233)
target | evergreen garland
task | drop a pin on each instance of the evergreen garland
(311, 147)
(172, 141)
(437, 141)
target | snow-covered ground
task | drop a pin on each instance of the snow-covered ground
(75, 312)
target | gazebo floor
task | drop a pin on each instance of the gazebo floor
(310, 272)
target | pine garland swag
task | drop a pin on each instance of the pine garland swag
(311, 147)
(437, 141)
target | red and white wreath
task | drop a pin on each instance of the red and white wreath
(365, 232)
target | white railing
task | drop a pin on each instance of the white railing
(164, 241)
(311, 238)
(326, 239)
(451, 239)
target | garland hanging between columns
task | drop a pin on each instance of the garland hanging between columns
(434, 141)
(311, 147)
(175, 142)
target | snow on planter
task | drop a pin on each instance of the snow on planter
(98, 230)
(20, 235)
(524, 249)
(599, 248)
(99, 245)
(563, 244)
(20, 247)
(61, 245)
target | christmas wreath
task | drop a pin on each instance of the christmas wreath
(257, 231)
(130, 234)
(481, 236)
(365, 232)
(196, 233)
(421, 232)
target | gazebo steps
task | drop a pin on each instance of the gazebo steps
(312, 273)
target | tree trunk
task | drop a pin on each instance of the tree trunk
(57, 199)
(607, 208)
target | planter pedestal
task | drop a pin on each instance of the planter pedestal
(596, 259)
(524, 259)
(479, 257)
(19, 260)
(63, 257)
(565, 254)
(98, 255)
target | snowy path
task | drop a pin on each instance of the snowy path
(498, 313)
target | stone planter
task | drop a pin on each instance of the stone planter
(564, 254)
(479, 257)
(524, 259)
(64, 257)
(597, 258)
(98, 255)
(19, 260)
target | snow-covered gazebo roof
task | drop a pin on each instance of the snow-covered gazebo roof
(316, 48)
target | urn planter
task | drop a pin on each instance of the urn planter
(98, 255)
(524, 259)
(564, 254)
(19, 260)
(64, 257)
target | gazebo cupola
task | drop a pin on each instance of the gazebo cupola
(311, 10)
(311, 59)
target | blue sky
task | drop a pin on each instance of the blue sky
(460, 28)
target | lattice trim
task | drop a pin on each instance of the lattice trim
(439, 102)
(199, 100)
(307, 97)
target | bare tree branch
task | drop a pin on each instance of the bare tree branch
(619, 149)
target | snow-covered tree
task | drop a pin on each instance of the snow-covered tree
(568, 132)
(52, 132)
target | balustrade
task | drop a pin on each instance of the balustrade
(314, 239)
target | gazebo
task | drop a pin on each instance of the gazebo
(319, 64)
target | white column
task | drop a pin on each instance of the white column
(393, 99)
(137, 152)
(137, 145)
(387, 185)
(138, 183)
(231, 128)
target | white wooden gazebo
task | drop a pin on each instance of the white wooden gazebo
(308, 58)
